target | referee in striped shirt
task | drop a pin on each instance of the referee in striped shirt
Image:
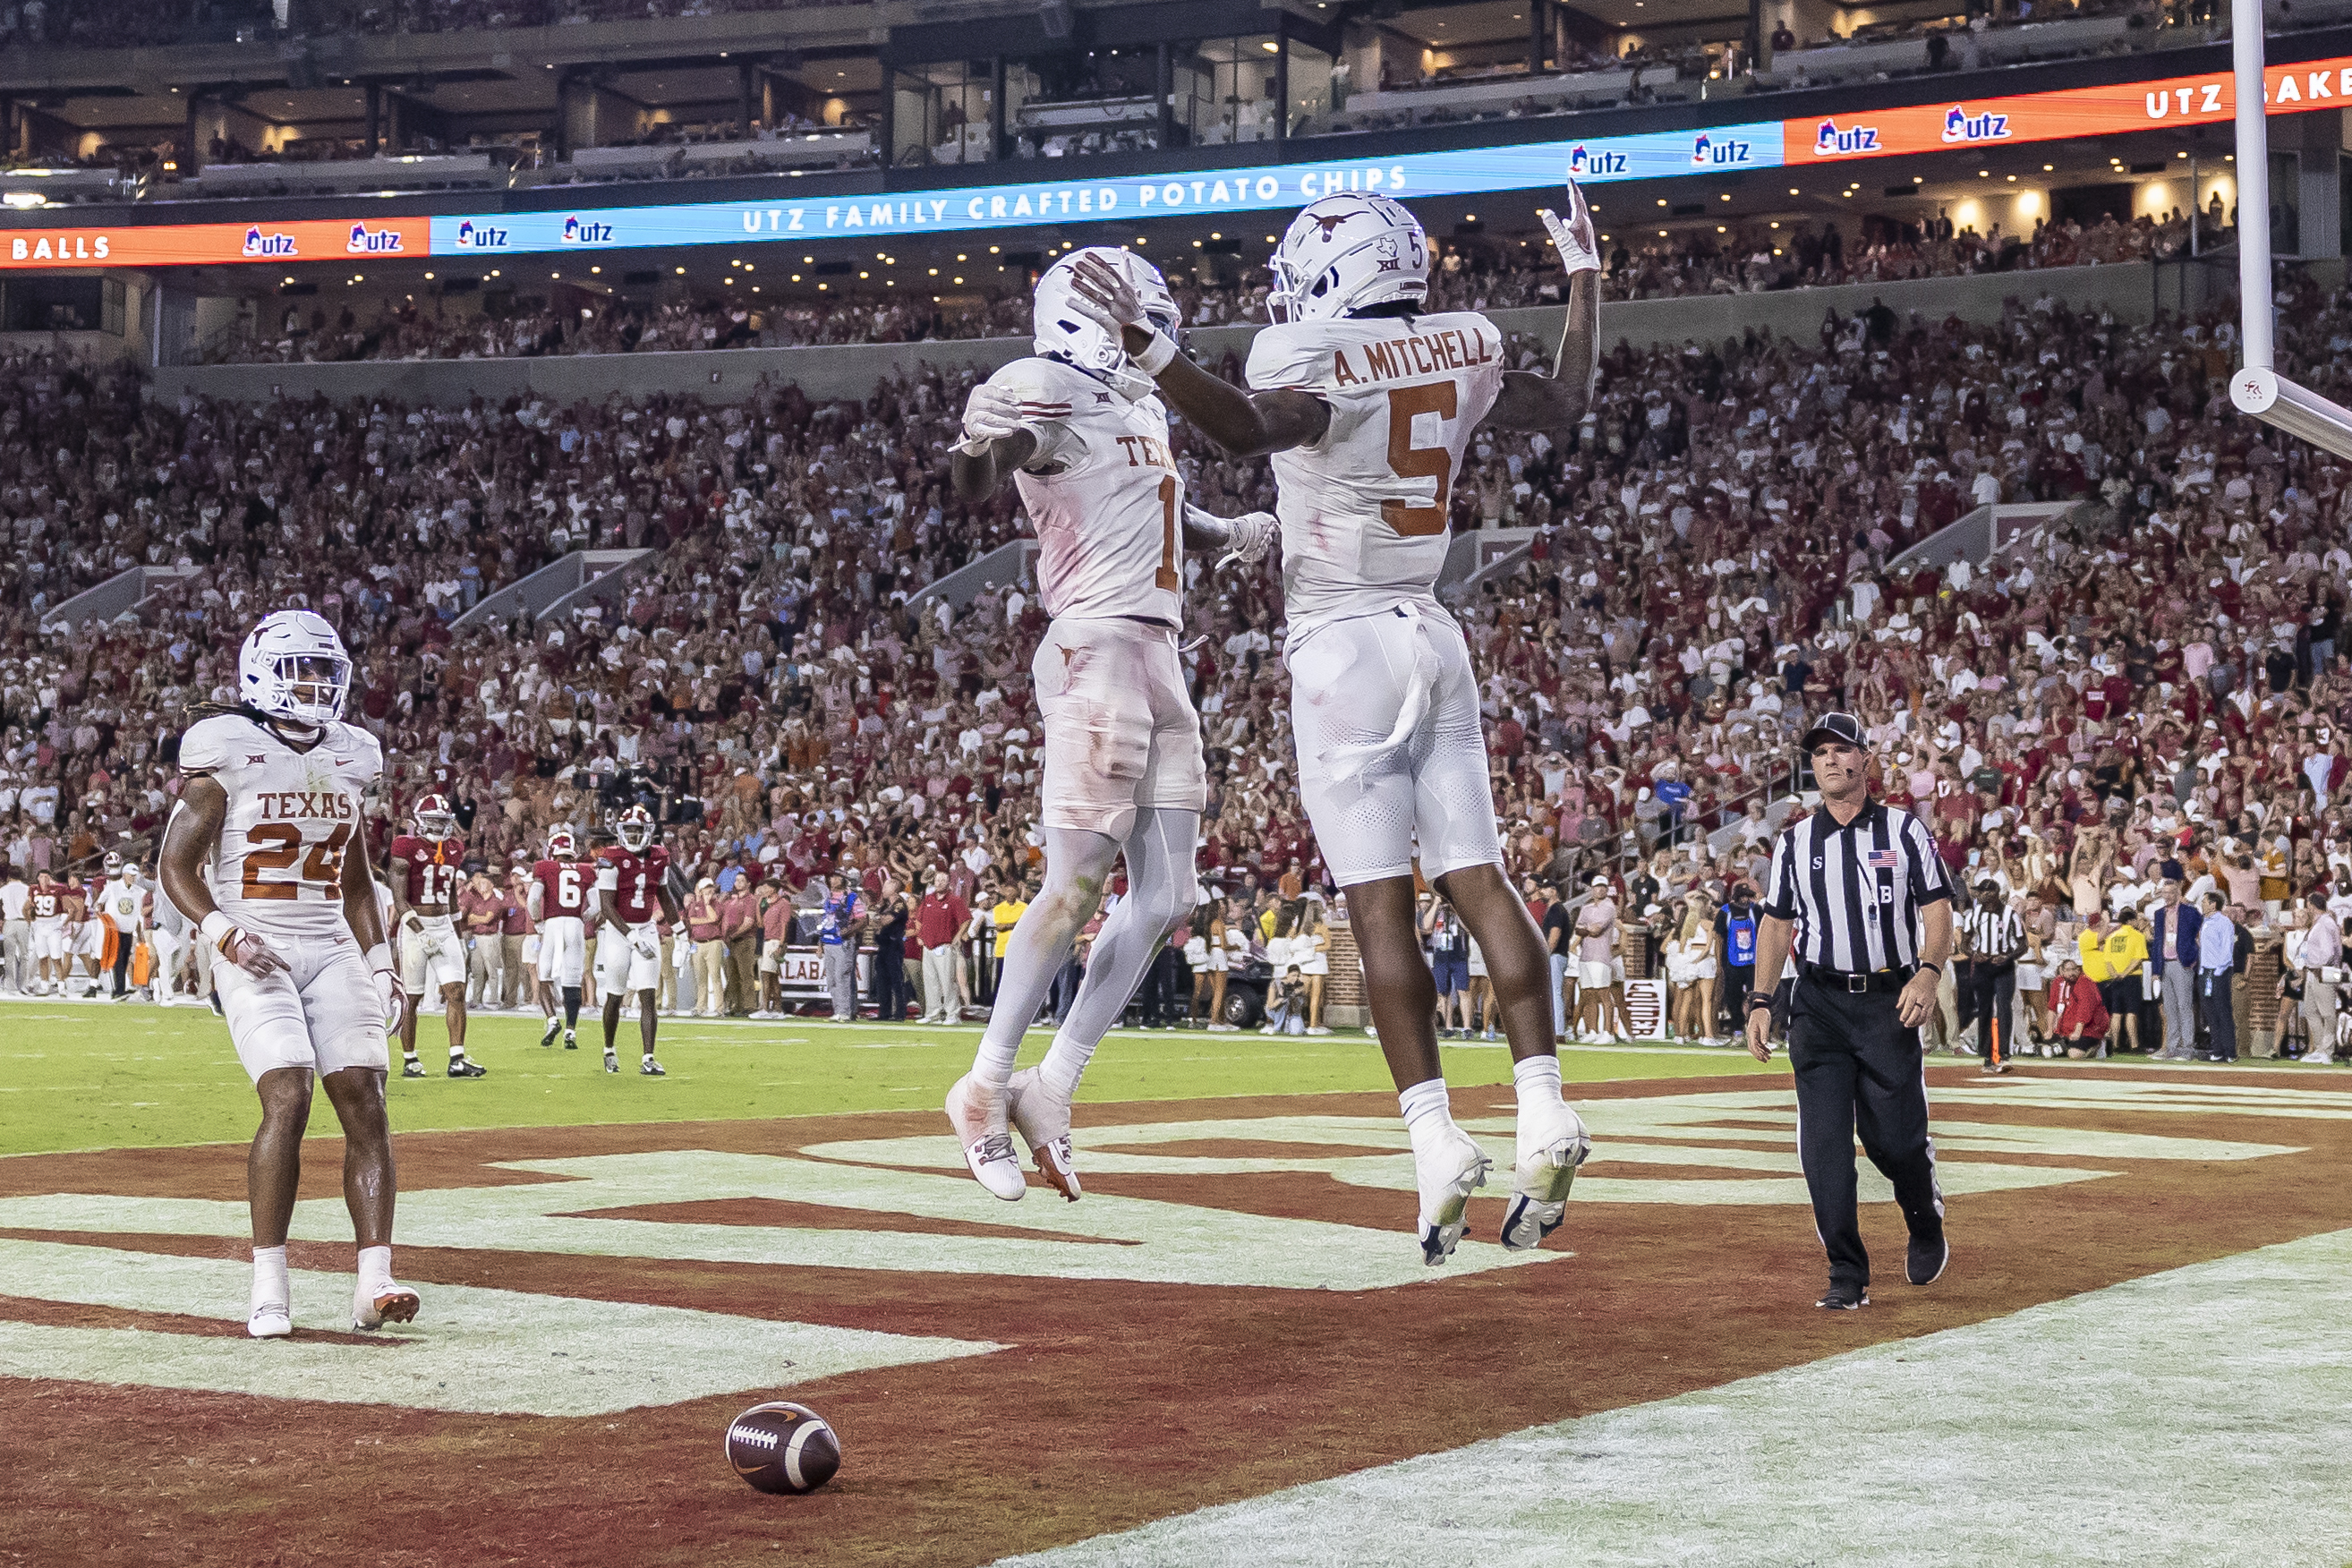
(1859, 901)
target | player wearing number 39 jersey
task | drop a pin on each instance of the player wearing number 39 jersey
(265, 854)
(1367, 404)
(1085, 443)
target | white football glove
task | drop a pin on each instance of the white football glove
(1253, 533)
(1579, 245)
(1100, 293)
(990, 414)
(646, 942)
(431, 946)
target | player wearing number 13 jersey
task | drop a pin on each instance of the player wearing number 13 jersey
(427, 866)
(1367, 404)
(265, 854)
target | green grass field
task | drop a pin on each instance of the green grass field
(95, 1076)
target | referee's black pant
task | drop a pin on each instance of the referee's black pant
(1859, 1069)
(1986, 990)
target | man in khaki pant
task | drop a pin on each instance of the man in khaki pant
(739, 914)
(703, 928)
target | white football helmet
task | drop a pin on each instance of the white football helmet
(434, 817)
(1064, 334)
(560, 845)
(634, 830)
(293, 667)
(113, 863)
(1345, 252)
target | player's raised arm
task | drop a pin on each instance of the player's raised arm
(1558, 402)
(1245, 423)
(996, 441)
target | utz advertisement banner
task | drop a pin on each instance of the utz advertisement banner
(213, 244)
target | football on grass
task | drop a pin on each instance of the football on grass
(779, 1446)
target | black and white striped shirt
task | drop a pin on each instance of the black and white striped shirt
(1995, 933)
(1856, 891)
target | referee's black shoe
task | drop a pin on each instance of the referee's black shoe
(1924, 1260)
(1844, 1298)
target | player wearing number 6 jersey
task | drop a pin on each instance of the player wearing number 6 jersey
(1085, 444)
(266, 854)
(1367, 404)
(561, 887)
(427, 866)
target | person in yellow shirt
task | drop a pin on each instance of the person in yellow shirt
(2112, 954)
(1012, 903)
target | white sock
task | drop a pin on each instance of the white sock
(649, 1055)
(1065, 1064)
(375, 1266)
(1538, 1080)
(456, 1051)
(992, 1065)
(269, 1282)
(1428, 1114)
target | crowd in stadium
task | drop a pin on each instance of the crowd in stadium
(1498, 275)
(2151, 680)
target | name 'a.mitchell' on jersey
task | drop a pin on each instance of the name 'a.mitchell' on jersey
(1103, 493)
(1364, 510)
(292, 817)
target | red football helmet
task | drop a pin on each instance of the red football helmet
(434, 817)
(634, 830)
(560, 845)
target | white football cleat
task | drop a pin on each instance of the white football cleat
(372, 1308)
(1044, 1123)
(987, 1150)
(270, 1321)
(1446, 1177)
(1550, 1148)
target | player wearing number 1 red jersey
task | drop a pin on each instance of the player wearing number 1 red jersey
(560, 887)
(266, 854)
(1366, 403)
(427, 866)
(632, 891)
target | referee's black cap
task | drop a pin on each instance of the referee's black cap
(1834, 727)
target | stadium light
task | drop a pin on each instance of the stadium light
(2257, 389)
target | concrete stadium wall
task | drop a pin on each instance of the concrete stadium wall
(728, 376)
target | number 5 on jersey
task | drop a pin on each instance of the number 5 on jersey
(1408, 461)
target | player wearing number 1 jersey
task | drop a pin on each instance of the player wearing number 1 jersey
(1367, 404)
(427, 866)
(1076, 429)
(633, 894)
(264, 853)
(561, 887)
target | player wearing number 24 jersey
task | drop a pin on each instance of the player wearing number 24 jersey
(265, 854)
(1367, 403)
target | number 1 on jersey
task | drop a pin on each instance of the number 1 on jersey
(1408, 461)
(1167, 577)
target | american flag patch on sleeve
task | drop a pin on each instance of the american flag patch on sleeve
(1882, 860)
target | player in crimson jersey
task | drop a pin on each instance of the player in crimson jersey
(561, 887)
(425, 872)
(632, 890)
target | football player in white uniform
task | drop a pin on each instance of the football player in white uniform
(1085, 443)
(267, 853)
(1366, 405)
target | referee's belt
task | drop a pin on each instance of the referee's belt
(1854, 985)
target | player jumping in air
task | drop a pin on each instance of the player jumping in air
(632, 888)
(560, 887)
(1085, 443)
(427, 866)
(1366, 405)
(266, 853)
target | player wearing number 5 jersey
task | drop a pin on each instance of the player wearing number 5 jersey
(1078, 432)
(427, 866)
(633, 894)
(1367, 404)
(266, 854)
(561, 887)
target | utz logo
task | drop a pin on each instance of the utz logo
(582, 231)
(1960, 125)
(366, 241)
(481, 235)
(1591, 161)
(1830, 141)
(1714, 153)
(259, 243)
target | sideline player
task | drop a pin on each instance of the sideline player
(1366, 405)
(274, 800)
(49, 939)
(559, 911)
(1085, 443)
(632, 888)
(425, 870)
